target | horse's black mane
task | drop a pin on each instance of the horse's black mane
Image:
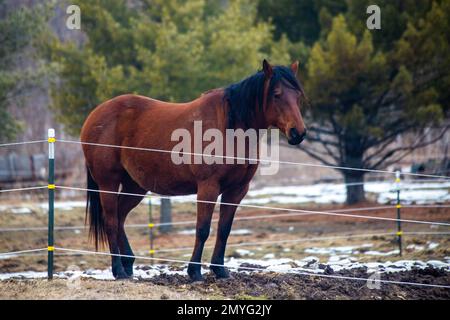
(243, 96)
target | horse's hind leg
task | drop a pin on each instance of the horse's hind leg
(126, 204)
(227, 212)
(111, 223)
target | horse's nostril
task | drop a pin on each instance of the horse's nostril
(293, 133)
(295, 137)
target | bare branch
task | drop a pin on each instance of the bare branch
(310, 147)
(318, 139)
(396, 160)
(391, 152)
(325, 144)
(322, 130)
(400, 129)
(316, 156)
(379, 148)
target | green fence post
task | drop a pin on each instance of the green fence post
(51, 200)
(398, 206)
(151, 227)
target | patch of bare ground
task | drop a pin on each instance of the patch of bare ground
(89, 289)
(290, 286)
(261, 286)
(241, 286)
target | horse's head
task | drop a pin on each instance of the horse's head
(282, 101)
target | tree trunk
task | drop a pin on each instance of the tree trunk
(354, 178)
(166, 216)
(355, 187)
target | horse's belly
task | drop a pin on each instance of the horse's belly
(157, 174)
(172, 188)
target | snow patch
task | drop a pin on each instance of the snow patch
(22, 210)
(244, 252)
(309, 264)
(384, 254)
(338, 250)
(240, 232)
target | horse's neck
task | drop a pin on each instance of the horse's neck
(209, 108)
(211, 105)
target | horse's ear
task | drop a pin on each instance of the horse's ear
(267, 68)
(294, 67)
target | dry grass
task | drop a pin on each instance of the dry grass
(89, 289)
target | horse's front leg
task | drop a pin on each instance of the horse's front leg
(207, 192)
(227, 212)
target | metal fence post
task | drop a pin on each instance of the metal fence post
(398, 206)
(51, 200)
(151, 226)
(165, 216)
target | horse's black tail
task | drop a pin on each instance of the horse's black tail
(94, 212)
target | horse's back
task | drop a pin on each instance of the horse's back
(143, 123)
(110, 123)
(108, 113)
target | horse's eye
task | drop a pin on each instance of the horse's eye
(277, 95)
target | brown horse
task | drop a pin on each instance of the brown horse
(269, 98)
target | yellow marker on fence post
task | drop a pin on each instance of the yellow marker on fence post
(398, 206)
(151, 226)
(51, 201)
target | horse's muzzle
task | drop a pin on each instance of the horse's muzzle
(295, 137)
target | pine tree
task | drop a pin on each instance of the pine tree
(170, 50)
(364, 96)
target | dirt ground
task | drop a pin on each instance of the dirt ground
(241, 286)
(90, 289)
(260, 286)
(306, 227)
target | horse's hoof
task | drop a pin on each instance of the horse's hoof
(196, 277)
(129, 271)
(194, 272)
(128, 265)
(221, 272)
(122, 276)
